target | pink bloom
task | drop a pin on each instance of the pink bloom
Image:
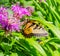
(14, 24)
(3, 13)
(20, 11)
(7, 23)
(10, 24)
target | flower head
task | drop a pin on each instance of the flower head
(3, 13)
(7, 23)
(14, 24)
(19, 11)
(10, 25)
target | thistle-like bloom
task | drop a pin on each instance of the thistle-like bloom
(8, 24)
(14, 24)
(19, 11)
(3, 13)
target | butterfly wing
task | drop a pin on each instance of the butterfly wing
(40, 32)
(35, 29)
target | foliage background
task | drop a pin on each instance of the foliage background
(48, 14)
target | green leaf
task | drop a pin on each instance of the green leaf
(14, 54)
(6, 47)
(1, 54)
(56, 53)
(37, 47)
(4, 1)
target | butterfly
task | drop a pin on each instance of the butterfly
(33, 28)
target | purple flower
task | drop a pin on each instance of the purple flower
(3, 16)
(4, 24)
(3, 13)
(14, 24)
(20, 11)
(8, 24)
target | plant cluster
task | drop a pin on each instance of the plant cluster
(12, 15)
